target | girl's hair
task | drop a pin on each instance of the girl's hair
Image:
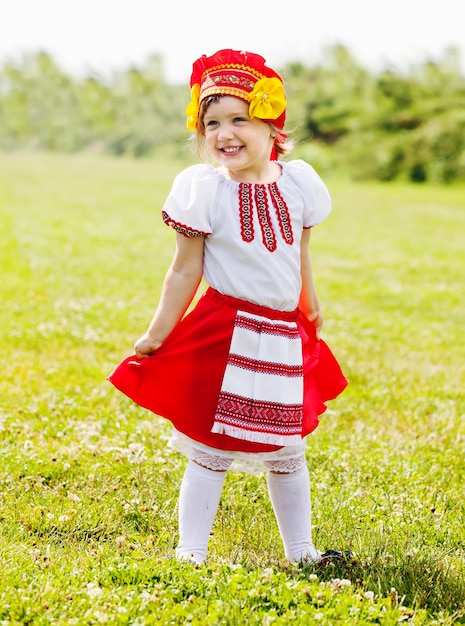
(282, 144)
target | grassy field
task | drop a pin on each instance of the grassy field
(88, 490)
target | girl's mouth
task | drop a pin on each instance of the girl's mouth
(231, 150)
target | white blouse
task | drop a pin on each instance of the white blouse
(252, 232)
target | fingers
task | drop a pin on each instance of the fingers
(144, 348)
(317, 322)
(142, 352)
(141, 355)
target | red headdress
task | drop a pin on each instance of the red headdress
(241, 74)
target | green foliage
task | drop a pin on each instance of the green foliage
(88, 488)
(385, 127)
(132, 113)
(388, 126)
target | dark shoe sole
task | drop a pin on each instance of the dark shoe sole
(335, 556)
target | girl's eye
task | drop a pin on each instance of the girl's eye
(211, 123)
(240, 119)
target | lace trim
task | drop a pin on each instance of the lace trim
(210, 461)
(286, 466)
(216, 463)
(284, 460)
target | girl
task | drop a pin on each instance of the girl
(244, 376)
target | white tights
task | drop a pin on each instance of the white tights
(198, 501)
(290, 496)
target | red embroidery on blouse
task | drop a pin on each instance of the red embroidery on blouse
(261, 202)
(245, 211)
(253, 194)
(182, 228)
(282, 211)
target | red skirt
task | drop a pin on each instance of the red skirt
(182, 380)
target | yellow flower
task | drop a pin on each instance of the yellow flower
(267, 99)
(192, 109)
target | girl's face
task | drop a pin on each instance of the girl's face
(239, 143)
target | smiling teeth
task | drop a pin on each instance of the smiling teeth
(230, 149)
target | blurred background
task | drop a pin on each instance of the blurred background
(376, 89)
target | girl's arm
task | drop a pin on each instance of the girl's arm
(179, 287)
(308, 303)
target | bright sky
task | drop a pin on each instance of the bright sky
(106, 35)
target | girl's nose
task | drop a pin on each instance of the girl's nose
(225, 132)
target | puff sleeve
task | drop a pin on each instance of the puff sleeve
(190, 204)
(315, 195)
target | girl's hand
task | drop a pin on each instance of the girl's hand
(146, 346)
(308, 301)
(179, 287)
(317, 321)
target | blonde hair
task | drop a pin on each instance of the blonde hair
(282, 144)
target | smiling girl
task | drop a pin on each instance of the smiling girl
(244, 376)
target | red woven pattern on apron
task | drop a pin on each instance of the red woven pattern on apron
(261, 396)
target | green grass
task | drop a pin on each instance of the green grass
(88, 490)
